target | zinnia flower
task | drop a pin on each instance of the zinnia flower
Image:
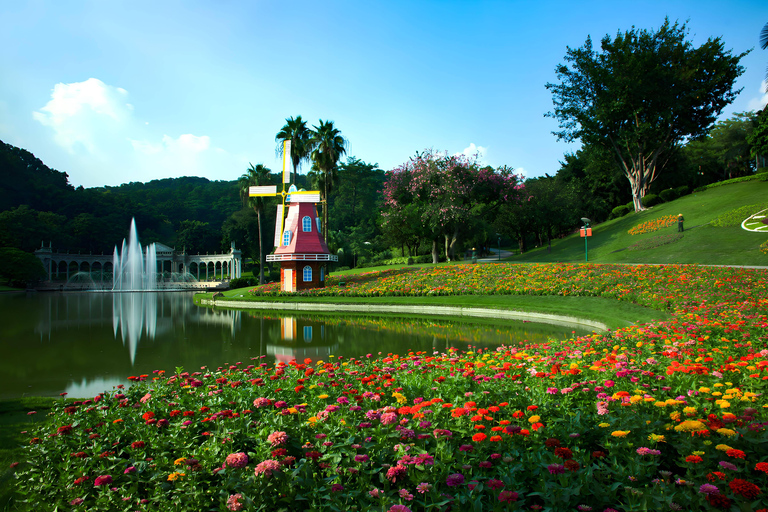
(507, 496)
(234, 502)
(454, 479)
(267, 468)
(747, 489)
(237, 460)
(102, 480)
(277, 438)
(709, 489)
(556, 469)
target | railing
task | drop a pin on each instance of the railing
(302, 257)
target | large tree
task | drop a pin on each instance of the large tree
(641, 95)
(444, 194)
(328, 146)
(295, 130)
(256, 175)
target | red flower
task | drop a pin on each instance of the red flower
(479, 437)
(762, 466)
(563, 452)
(694, 459)
(717, 475)
(148, 415)
(719, 501)
(744, 488)
(571, 465)
(736, 453)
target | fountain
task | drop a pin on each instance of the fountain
(134, 270)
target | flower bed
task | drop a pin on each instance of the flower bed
(656, 241)
(670, 415)
(653, 225)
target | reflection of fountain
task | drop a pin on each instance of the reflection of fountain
(133, 314)
(82, 280)
(134, 270)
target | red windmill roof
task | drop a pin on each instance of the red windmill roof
(303, 242)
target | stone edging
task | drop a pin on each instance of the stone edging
(413, 310)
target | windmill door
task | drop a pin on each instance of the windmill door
(288, 280)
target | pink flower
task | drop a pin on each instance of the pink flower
(399, 508)
(277, 438)
(234, 504)
(508, 496)
(396, 472)
(454, 479)
(102, 480)
(237, 460)
(388, 418)
(267, 468)
(423, 487)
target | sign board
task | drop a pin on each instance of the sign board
(585, 232)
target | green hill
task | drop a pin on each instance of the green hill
(704, 241)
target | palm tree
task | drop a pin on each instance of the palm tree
(764, 44)
(328, 146)
(297, 132)
(255, 176)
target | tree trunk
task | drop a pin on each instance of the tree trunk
(261, 249)
(325, 209)
(447, 255)
(521, 243)
(435, 258)
(452, 246)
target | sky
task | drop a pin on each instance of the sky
(112, 92)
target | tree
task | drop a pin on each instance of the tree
(443, 194)
(764, 44)
(725, 152)
(20, 268)
(328, 146)
(297, 132)
(644, 93)
(256, 176)
(758, 139)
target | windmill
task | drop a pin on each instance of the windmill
(297, 234)
(312, 196)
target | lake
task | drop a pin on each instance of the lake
(85, 343)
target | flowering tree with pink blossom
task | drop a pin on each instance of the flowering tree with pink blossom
(436, 195)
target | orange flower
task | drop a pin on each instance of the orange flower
(479, 437)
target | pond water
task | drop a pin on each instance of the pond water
(85, 343)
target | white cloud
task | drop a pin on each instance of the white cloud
(472, 151)
(522, 172)
(82, 113)
(99, 130)
(761, 101)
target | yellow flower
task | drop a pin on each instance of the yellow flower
(620, 433)
(699, 453)
(727, 432)
(690, 426)
(604, 425)
(636, 399)
(718, 385)
(292, 410)
(323, 396)
(717, 393)
(722, 447)
(175, 476)
(660, 403)
(657, 438)
(179, 461)
(675, 415)
(400, 397)
(705, 390)
(534, 419)
(724, 404)
(649, 399)
(689, 411)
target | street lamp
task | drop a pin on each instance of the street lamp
(499, 235)
(586, 232)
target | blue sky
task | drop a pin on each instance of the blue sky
(112, 92)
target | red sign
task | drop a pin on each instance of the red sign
(585, 232)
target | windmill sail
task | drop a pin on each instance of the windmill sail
(279, 225)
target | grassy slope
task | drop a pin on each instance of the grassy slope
(701, 243)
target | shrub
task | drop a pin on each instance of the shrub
(342, 268)
(651, 200)
(620, 211)
(682, 190)
(242, 282)
(669, 194)
(762, 170)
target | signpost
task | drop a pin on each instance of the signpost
(585, 232)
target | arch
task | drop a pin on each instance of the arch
(307, 274)
(306, 224)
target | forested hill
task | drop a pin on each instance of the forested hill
(39, 204)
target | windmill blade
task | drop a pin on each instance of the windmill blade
(279, 225)
(311, 196)
(267, 190)
(287, 161)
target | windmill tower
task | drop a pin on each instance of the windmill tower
(300, 247)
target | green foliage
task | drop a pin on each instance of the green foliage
(650, 200)
(20, 268)
(758, 139)
(682, 190)
(656, 241)
(641, 94)
(242, 282)
(761, 170)
(725, 151)
(736, 216)
(759, 177)
(669, 194)
(620, 211)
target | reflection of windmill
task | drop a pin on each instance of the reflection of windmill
(301, 251)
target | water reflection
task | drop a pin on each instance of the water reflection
(84, 343)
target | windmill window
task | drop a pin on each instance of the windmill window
(317, 221)
(306, 224)
(322, 274)
(307, 274)
(287, 237)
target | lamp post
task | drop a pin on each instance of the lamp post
(499, 235)
(586, 232)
